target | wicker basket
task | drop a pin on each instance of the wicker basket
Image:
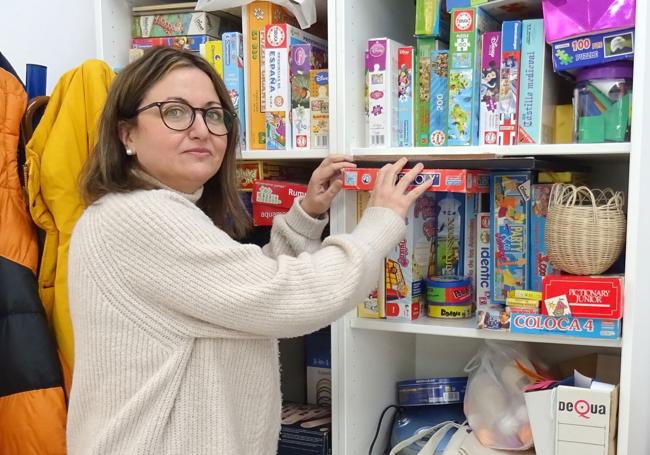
(585, 229)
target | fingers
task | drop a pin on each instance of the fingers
(418, 191)
(409, 177)
(335, 187)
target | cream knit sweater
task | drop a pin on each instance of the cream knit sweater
(176, 324)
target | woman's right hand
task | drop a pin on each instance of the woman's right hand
(389, 194)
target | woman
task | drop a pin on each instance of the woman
(175, 323)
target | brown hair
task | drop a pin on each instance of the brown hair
(110, 170)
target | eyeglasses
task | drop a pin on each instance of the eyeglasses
(179, 116)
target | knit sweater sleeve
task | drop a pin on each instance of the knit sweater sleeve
(163, 250)
(295, 232)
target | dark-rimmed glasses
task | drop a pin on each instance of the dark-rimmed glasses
(180, 116)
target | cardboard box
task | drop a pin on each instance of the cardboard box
(439, 103)
(489, 96)
(187, 42)
(177, 24)
(537, 97)
(305, 58)
(272, 198)
(539, 324)
(319, 106)
(431, 19)
(318, 356)
(405, 117)
(601, 367)
(382, 69)
(588, 296)
(422, 72)
(465, 73)
(540, 265)
(259, 15)
(374, 305)
(510, 81)
(407, 265)
(510, 224)
(574, 420)
(573, 53)
(277, 80)
(451, 180)
(249, 171)
(233, 78)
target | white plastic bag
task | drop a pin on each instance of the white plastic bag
(463, 442)
(304, 10)
(494, 399)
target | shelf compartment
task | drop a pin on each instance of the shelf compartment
(465, 328)
(283, 154)
(486, 152)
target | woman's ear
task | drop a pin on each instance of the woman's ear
(125, 131)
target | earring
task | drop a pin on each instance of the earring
(130, 152)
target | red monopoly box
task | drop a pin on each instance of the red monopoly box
(588, 296)
(453, 180)
(271, 198)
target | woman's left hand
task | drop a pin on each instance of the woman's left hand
(324, 184)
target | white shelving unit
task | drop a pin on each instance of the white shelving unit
(370, 356)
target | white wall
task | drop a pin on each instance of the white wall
(59, 34)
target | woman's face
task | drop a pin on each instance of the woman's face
(182, 160)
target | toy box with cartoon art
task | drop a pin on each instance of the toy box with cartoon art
(489, 95)
(424, 47)
(233, 78)
(319, 105)
(277, 82)
(586, 296)
(304, 59)
(438, 115)
(260, 14)
(373, 306)
(407, 265)
(382, 69)
(467, 25)
(540, 265)
(452, 180)
(596, 49)
(187, 42)
(509, 80)
(510, 221)
(271, 198)
(405, 96)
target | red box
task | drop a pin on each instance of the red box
(453, 180)
(588, 296)
(271, 198)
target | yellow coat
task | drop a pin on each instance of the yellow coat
(55, 155)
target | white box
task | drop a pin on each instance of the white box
(382, 67)
(574, 420)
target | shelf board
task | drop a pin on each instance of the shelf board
(465, 329)
(283, 154)
(486, 152)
